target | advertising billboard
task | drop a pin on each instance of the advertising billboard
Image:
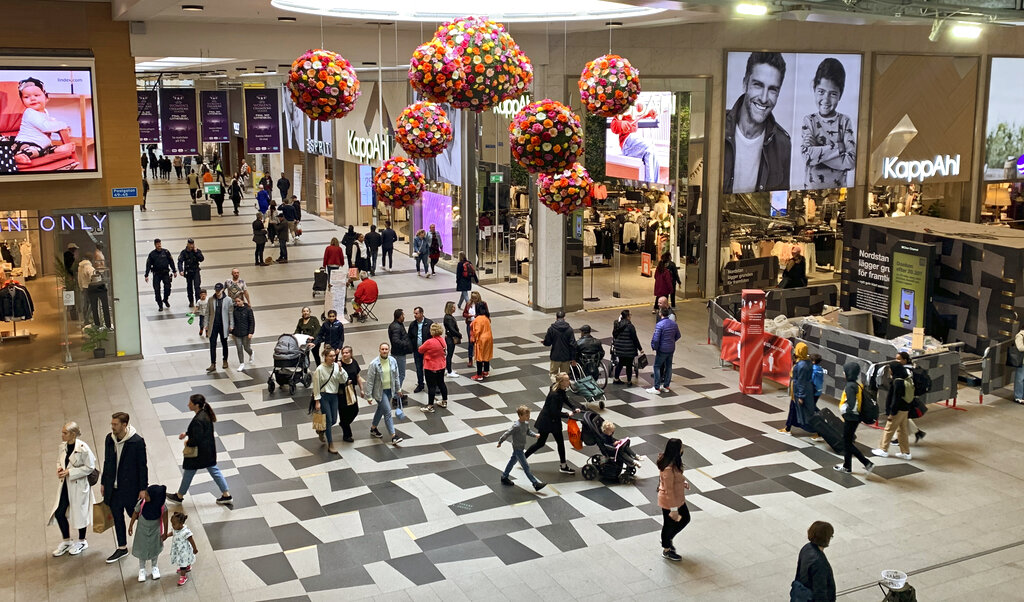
(637, 143)
(1004, 128)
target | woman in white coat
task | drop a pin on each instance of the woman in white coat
(73, 507)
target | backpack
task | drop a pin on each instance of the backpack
(922, 382)
(868, 407)
(908, 389)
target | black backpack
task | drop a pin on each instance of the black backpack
(922, 382)
(868, 406)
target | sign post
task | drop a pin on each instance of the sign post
(751, 347)
(645, 264)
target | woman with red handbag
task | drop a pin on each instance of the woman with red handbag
(549, 421)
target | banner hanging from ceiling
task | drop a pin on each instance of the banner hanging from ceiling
(214, 115)
(149, 117)
(262, 121)
(178, 125)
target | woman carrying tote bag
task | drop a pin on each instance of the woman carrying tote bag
(73, 506)
(200, 451)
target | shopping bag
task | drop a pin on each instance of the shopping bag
(641, 361)
(575, 434)
(399, 411)
(319, 422)
(102, 517)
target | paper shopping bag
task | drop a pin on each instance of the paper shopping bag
(102, 517)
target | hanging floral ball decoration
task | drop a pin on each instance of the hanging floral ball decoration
(423, 130)
(323, 84)
(565, 191)
(609, 85)
(471, 63)
(546, 137)
(398, 182)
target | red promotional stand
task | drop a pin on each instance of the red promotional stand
(751, 348)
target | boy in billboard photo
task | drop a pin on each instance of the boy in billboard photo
(828, 140)
(34, 141)
(757, 148)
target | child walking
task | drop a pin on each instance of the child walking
(152, 518)
(183, 546)
(201, 305)
(519, 430)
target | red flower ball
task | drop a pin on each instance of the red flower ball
(323, 85)
(609, 85)
(423, 130)
(398, 182)
(546, 137)
(565, 191)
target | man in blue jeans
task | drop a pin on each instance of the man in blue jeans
(666, 333)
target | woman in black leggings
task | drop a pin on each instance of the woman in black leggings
(549, 421)
(73, 507)
(625, 347)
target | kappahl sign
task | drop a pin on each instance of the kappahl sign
(944, 166)
(374, 148)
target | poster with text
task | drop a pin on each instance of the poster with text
(1004, 130)
(910, 291)
(637, 143)
(178, 121)
(149, 117)
(214, 111)
(790, 121)
(366, 186)
(262, 125)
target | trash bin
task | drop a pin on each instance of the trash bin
(200, 212)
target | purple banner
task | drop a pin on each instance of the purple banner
(262, 128)
(178, 121)
(149, 118)
(214, 112)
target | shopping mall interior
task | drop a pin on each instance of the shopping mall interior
(827, 195)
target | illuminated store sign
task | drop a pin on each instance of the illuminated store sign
(508, 108)
(368, 149)
(894, 169)
(65, 223)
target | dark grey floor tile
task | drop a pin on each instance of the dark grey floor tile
(258, 443)
(239, 533)
(337, 578)
(739, 477)
(819, 455)
(446, 538)
(702, 387)
(730, 499)
(379, 452)
(770, 471)
(295, 484)
(304, 508)
(384, 476)
(630, 528)
(892, 471)
(509, 550)
(468, 456)
(255, 474)
(241, 497)
(762, 487)
(345, 478)
(378, 518)
(417, 568)
(291, 599)
(606, 497)
(229, 427)
(721, 431)
(294, 536)
(752, 450)
(563, 535)
(799, 486)
(558, 510)
(409, 512)
(461, 477)
(367, 500)
(458, 552)
(271, 569)
(846, 480)
(493, 528)
(389, 493)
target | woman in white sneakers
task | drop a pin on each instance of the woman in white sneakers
(73, 507)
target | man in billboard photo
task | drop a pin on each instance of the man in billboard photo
(757, 148)
(828, 140)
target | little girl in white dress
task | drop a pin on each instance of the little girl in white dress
(183, 547)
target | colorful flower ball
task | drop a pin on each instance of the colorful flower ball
(546, 137)
(565, 191)
(471, 63)
(323, 85)
(423, 130)
(398, 182)
(609, 85)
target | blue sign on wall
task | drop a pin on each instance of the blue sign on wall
(124, 193)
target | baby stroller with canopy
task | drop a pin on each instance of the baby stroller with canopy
(584, 385)
(291, 364)
(610, 463)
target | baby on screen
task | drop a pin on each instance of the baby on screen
(35, 138)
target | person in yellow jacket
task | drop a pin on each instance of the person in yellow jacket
(850, 407)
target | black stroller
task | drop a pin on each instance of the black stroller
(291, 365)
(608, 465)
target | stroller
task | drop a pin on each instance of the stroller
(584, 385)
(608, 464)
(291, 365)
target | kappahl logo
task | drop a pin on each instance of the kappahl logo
(374, 148)
(894, 169)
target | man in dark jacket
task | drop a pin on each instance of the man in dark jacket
(589, 352)
(563, 345)
(373, 240)
(283, 185)
(387, 247)
(401, 347)
(419, 332)
(259, 236)
(188, 264)
(332, 332)
(897, 408)
(243, 326)
(465, 276)
(757, 148)
(850, 405)
(125, 476)
(813, 571)
(161, 264)
(666, 333)
(219, 318)
(281, 227)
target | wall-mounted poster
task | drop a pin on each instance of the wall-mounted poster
(262, 121)
(365, 186)
(178, 121)
(1004, 130)
(214, 114)
(637, 143)
(790, 121)
(149, 117)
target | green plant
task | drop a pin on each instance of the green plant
(94, 338)
(1006, 141)
(934, 209)
(594, 132)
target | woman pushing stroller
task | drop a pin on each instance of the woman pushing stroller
(549, 421)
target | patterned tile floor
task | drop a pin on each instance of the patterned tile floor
(430, 520)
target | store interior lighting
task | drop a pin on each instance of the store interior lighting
(754, 10)
(521, 11)
(966, 31)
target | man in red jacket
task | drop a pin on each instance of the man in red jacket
(366, 293)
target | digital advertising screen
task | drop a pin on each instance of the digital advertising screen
(1004, 128)
(790, 121)
(637, 143)
(780, 203)
(910, 284)
(47, 119)
(365, 186)
(437, 209)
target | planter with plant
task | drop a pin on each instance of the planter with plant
(95, 341)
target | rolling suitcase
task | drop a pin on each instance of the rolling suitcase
(830, 427)
(320, 282)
